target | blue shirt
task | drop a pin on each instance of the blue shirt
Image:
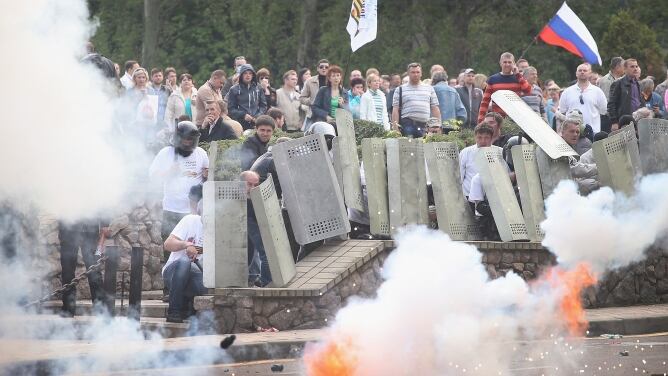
(449, 102)
(354, 103)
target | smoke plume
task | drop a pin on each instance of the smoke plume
(605, 229)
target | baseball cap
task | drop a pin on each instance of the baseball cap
(469, 70)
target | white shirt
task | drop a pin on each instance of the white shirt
(477, 192)
(467, 167)
(177, 180)
(189, 229)
(594, 104)
(127, 82)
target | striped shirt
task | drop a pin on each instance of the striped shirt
(498, 81)
(378, 104)
(416, 101)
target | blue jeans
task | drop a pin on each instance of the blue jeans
(184, 281)
(411, 128)
(255, 242)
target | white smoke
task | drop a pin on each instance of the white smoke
(58, 115)
(438, 309)
(61, 157)
(606, 229)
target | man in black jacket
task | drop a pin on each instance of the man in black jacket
(625, 94)
(245, 100)
(256, 145)
(213, 127)
(471, 97)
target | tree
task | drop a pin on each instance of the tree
(627, 37)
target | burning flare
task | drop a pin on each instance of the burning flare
(331, 358)
(571, 283)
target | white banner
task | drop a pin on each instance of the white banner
(363, 23)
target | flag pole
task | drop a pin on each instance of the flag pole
(533, 41)
(345, 71)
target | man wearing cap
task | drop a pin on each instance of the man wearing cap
(434, 127)
(471, 97)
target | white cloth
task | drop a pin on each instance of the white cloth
(467, 167)
(178, 174)
(477, 192)
(127, 82)
(594, 104)
(190, 229)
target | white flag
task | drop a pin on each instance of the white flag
(363, 23)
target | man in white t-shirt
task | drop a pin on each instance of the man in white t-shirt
(179, 167)
(183, 278)
(467, 168)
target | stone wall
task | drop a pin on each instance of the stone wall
(242, 310)
(239, 311)
(139, 226)
(645, 282)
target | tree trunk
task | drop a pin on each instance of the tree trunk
(151, 33)
(308, 27)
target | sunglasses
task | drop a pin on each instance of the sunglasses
(323, 66)
(581, 100)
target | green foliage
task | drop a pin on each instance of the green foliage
(199, 36)
(462, 138)
(628, 37)
(510, 127)
(367, 129)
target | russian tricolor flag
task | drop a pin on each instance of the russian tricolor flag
(566, 30)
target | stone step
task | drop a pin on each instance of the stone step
(149, 308)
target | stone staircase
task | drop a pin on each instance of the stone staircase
(153, 313)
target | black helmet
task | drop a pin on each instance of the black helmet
(185, 138)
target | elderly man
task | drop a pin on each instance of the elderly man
(625, 94)
(413, 103)
(588, 99)
(570, 132)
(214, 127)
(449, 103)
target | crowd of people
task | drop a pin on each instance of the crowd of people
(171, 109)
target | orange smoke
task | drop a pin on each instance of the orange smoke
(332, 358)
(572, 282)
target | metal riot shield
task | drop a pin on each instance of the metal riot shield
(532, 124)
(551, 171)
(310, 190)
(348, 161)
(452, 210)
(225, 234)
(617, 160)
(500, 194)
(653, 134)
(531, 195)
(375, 175)
(407, 182)
(274, 236)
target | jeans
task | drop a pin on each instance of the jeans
(184, 281)
(71, 238)
(412, 128)
(255, 244)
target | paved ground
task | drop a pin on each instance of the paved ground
(647, 355)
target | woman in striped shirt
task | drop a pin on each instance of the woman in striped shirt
(373, 105)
